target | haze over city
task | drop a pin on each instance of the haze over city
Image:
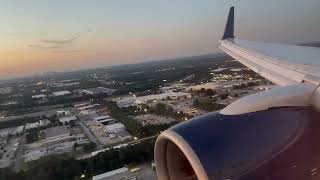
(42, 36)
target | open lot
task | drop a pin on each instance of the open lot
(8, 152)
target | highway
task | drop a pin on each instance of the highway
(86, 156)
(90, 135)
(134, 142)
(36, 114)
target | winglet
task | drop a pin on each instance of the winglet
(229, 30)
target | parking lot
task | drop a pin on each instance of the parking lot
(153, 119)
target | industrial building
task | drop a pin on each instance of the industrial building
(87, 107)
(67, 119)
(63, 113)
(98, 90)
(66, 116)
(61, 93)
(39, 96)
(110, 173)
(81, 104)
(32, 125)
(57, 140)
(115, 128)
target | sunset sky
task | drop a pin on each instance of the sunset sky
(37, 36)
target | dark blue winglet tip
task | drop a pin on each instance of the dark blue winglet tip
(229, 30)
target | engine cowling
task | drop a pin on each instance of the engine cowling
(217, 146)
(239, 138)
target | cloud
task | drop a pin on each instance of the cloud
(54, 43)
(69, 51)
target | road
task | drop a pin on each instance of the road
(90, 135)
(35, 114)
(89, 155)
(19, 161)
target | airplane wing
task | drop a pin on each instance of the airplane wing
(280, 63)
(269, 135)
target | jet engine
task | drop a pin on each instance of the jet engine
(236, 140)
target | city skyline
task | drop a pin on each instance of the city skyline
(44, 36)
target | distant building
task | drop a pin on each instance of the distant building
(126, 102)
(89, 113)
(8, 103)
(211, 85)
(18, 130)
(63, 113)
(32, 125)
(83, 108)
(44, 122)
(67, 119)
(238, 69)
(219, 70)
(115, 128)
(66, 116)
(6, 90)
(99, 90)
(65, 83)
(61, 93)
(11, 131)
(81, 104)
(39, 96)
(110, 173)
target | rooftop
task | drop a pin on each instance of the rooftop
(99, 90)
(61, 93)
(110, 173)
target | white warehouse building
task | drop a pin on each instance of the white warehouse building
(115, 128)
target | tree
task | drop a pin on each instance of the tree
(223, 96)
(160, 109)
(72, 123)
(75, 145)
(196, 103)
(89, 147)
(207, 105)
(32, 136)
(210, 92)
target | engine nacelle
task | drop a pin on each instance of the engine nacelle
(216, 146)
(242, 136)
